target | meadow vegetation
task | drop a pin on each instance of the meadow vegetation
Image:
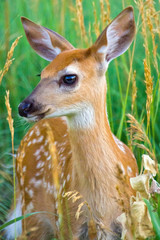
(133, 79)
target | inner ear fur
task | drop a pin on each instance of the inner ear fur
(47, 43)
(117, 36)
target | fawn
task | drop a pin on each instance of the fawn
(70, 100)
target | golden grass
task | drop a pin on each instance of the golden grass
(137, 133)
(151, 29)
(10, 122)
(9, 59)
(96, 23)
(108, 19)
(142, 11)
(149, 90)
(80, 19)
(134, 91)
(74, 195)
(150, 23)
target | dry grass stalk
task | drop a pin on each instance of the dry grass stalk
(134, 96)
(9, 59)
(74, 195)
(102, 13)
(142, 11)
(96, 23)
(134, 91)
(108, 19)
(150, 26)
(89, 35)
(10, 122)
(79, 211)
(63, 3)
(10, 119)
(121, 189)
(5, 176)
(56, 171)
(154, 14)
(105, 13)
(149, 89)
(138, 134)
(80, 18)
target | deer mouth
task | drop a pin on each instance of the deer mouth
(37, 117)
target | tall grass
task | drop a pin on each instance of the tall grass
(133, 79)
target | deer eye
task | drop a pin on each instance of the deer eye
(69, 79)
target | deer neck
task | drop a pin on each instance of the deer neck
(93, 153)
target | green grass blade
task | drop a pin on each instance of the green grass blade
(19, 219)
(154, 218)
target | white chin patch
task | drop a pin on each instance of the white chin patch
(78, 116)
(32, 118)
(83, 119)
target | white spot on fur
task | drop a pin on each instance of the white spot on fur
(38, 157)
(46, 154)
(24, 168)
(31, 133)
(40, 139)
(119, 144)
(21, 181)
(129, 170)
(29, 207)
(122, 168)
(10, 230)
(40, 165)
(37, 152)
(68, 177)
(35, 183)
(30, 193)
(37, 131)
(29, 143)
(34, 141)
(38, 174)
(48, 158)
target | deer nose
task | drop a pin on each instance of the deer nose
(24, 108)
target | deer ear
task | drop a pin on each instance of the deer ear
(117, 37)
(47, 43)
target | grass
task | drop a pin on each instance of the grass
(133, 79)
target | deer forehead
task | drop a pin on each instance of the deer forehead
(66, 60)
